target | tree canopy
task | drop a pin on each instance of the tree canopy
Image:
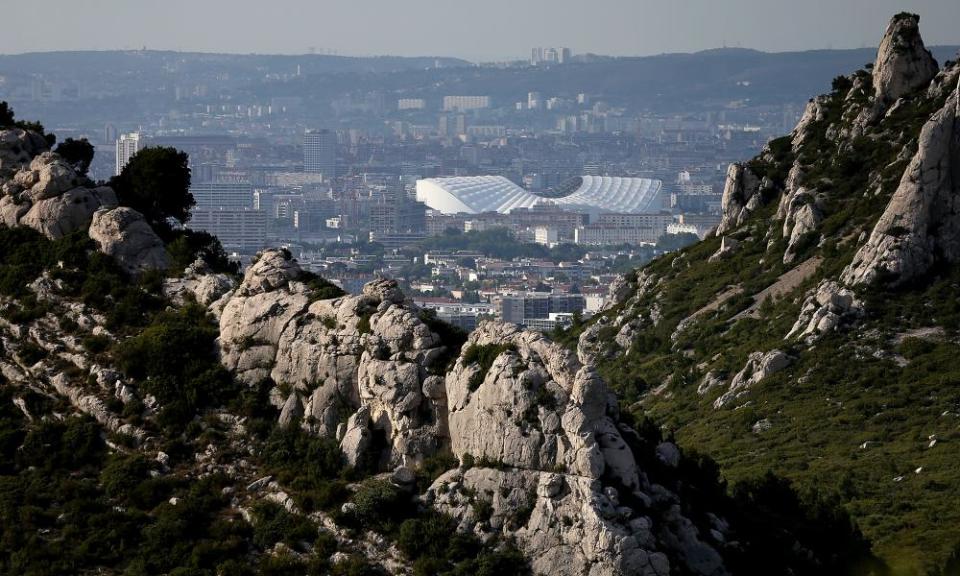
(79, 153)
(156, 183)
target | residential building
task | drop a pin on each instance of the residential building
(465, 103)
(127, 146)
(320, 153)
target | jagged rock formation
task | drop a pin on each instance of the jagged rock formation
(814, 112)
(17, 148)
(727, 247)
(124, 234)
(922, 220)
(803, 216)
(565, 473)
(535, 408)
(368, 352)
(50, 197)
(759, 366)
(200, 283)
(903, 63)
(740, 197)
(823, 310)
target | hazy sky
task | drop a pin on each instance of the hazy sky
(473, 29)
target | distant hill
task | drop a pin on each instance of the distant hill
(123, 85)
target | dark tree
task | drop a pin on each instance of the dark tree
(79, 153)
(6, 115)
(192, 244)
(156, 183)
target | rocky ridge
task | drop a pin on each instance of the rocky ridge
(836, 253)
(541, 429)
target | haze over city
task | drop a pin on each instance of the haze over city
(487, 288)
(477, 31)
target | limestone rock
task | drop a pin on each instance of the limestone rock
(273, 269)
(922, 219)
(73, 210)
(903, 63)
(257, 313)
(18, 147)
(50, 197)
(711, 380)
(367, 351)
(741, 186)
(12, 210)
(569, 525)
(124, 234)
(199, 283)
(803, 216)
(727, 247)
(357, 438)
(49, 175)
(814, 112)
(824, 308)
(536, 408)
(759, 366)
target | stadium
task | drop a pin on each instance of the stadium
(478, 194)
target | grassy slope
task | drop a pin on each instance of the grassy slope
(842, 392)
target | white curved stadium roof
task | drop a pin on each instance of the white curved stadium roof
(476, 194)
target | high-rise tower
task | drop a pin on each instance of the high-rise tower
(320, 153)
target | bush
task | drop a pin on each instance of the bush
(321, 288)
(484, 355)
(188, 245)
(378, 505)
(272, 524)
(308, 465)
(176, 358)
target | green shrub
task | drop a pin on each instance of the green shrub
(176, 359)
(308, 465)
(378, 505)
(483, 355)
(272, 524)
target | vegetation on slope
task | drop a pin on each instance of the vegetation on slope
(867, 417)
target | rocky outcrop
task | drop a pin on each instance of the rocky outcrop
(124, 234)
(903, 64)
(728, 246)
(535, 408)
(740, 197)
(50, 197)
(759, 366)
(198, 283)
(824, 309)
(803, 216)
(17, 148)
(564, 472)
(565, 524)
(814, 112)
(922, 220)
(364, 359)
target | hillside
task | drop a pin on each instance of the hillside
(162, 414)
(815, 334)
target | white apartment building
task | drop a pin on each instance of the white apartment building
(127, 146)
(465, 103)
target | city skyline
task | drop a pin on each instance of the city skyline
(498, 30)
